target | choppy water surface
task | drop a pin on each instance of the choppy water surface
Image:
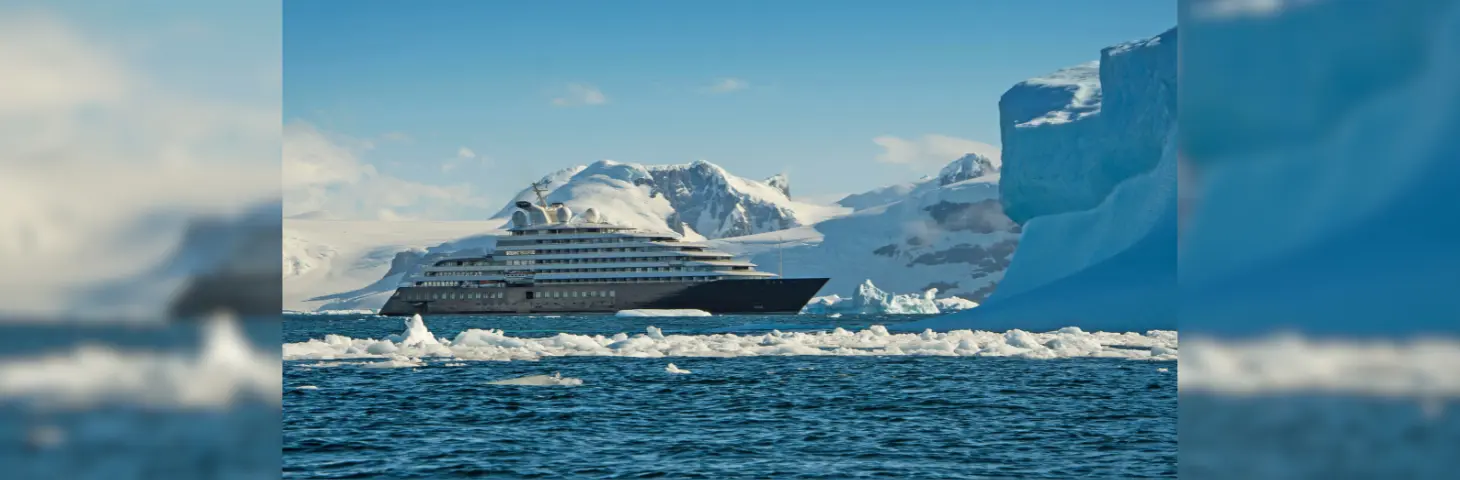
(122, 401)
(827, 416)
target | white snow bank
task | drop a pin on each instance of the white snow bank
(554, 380)
(684, 312)
(224, 370)
(475, 344)
(1289, 363)
(869, 299)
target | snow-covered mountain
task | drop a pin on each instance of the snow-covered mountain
(953, 237)
(969, 166)
(1089, 171)
(219, 261)
(699, 199)
(950, 234)
(343, 265)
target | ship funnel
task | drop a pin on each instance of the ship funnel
(524, 204)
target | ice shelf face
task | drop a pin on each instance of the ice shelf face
(1089, 172)
(1070, 137)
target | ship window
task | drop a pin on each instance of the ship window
(612, 292)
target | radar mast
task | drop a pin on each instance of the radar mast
(539, 187)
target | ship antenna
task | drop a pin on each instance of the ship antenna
(539, 187)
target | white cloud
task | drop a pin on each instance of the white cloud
(931, 150)
(727, 85)
(49, 68)
(580, 94)
(464, 156)
(325, 177)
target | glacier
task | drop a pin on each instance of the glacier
(1089, 173)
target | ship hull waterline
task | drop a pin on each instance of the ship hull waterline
(749, 296)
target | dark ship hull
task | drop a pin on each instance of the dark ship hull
(781, 296)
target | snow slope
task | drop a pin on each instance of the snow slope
(345, 265)
(951, 237)
(969, 166)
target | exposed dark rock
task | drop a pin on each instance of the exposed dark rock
(985, 216)
(984, 260)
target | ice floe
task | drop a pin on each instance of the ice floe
(683, 312)
(554, 380)
(477, 344)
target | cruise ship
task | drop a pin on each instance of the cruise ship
(554, 262)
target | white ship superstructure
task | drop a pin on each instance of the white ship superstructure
(553, 261)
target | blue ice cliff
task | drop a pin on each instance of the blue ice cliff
(1089, 172)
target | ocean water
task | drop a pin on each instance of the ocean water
(87, 400)
(754, 405)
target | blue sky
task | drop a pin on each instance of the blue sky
(759, 87)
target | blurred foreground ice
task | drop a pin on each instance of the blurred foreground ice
(225, 370)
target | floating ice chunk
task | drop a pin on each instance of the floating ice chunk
(306, 387)
(954, 304)
(1162, 370)
(673, 369)
(45, 436)
(554, 380)
(686, 312)
(868, 299)
(398, 362)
